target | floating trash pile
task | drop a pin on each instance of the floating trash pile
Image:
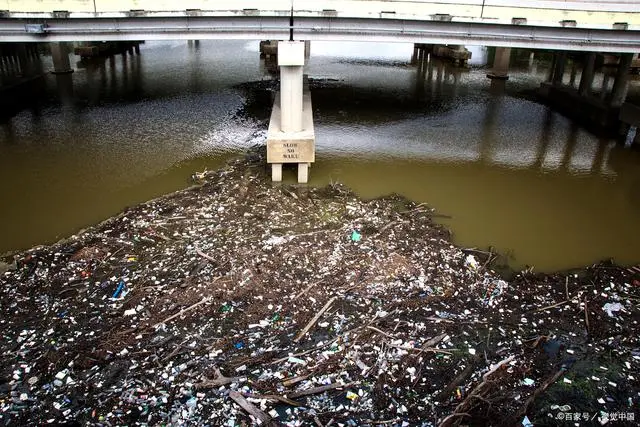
(239, 302)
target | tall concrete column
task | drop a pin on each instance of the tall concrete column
(621, 83)
(501, 64)
(290, 91)
(414, 56)
(23, 60)
(605, 86)
(558, 72)
(291, 58)
(552, 69)
(307, 50)
(574, 72)
(421, 62)
(586, 80)
(60, 56)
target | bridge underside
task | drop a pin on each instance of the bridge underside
(316, 28)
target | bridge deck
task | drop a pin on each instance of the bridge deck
(605, 25)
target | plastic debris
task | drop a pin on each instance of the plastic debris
(471, 263)
(214, 284)
(611, 307)
(528, 382)
(119, 289)
(355, 236)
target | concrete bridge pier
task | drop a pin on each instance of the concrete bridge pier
(60, 56)
(586, 80)
(604, 90)
(621, 82)
(10, 64)
(19, 62)
(574, 73)
(458, 54)
(601, 109)
(630, 117)
(501, 61)
(558, 68)
(291, 137)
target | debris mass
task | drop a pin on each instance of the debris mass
(240, 302)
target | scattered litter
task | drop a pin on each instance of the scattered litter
(237, 302)
(528, 382)
(611, 307)
(119, 290)
(471, 263)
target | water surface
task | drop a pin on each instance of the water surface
(510, 172)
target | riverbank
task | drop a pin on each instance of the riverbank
(236, 300)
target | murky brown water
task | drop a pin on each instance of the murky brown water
(511, 173)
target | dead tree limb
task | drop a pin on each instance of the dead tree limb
(249, 407)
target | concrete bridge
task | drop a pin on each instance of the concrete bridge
(588, 25)
(563, 25)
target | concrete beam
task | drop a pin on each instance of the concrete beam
(145, 28)
(467, 33)
(258, 27)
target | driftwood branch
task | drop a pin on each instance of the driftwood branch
(305, 290)
(586, 314)
(315, 319)
(275, 397)
(464, 406)
(421, 350)
(205, 256)
(181, 312)
(523, 409)
(218, 381)
(249, 407)
(295, 380)
(386, 334)
(317, 390)
(552, 305)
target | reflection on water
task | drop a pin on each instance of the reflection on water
(511, 173)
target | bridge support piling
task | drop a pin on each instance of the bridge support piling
(630, 118)
(416, 52)
(276, 172)
(501, 61)
(303, 172)
(586, 80)
(605, 86)
(558, 70)
(291, 138)
(574, 73)
(621, 82)
(60, 56)
(291, 98)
